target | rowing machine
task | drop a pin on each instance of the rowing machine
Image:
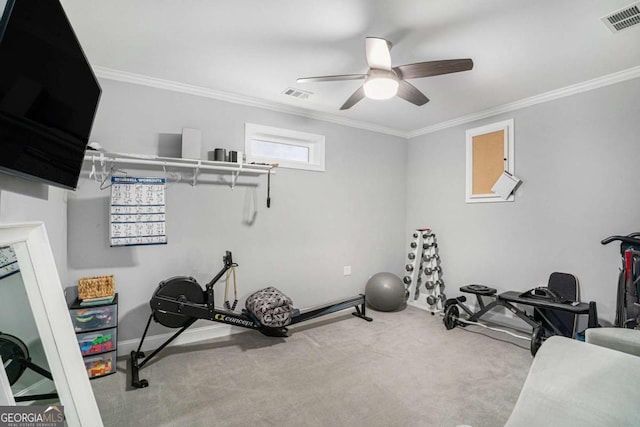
(179, 301)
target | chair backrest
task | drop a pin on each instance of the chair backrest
(567, 286)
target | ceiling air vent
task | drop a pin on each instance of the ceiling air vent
(297, 93)
(623, 19)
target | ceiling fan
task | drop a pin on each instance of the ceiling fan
(383, 81)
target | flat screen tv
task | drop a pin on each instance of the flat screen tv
(48, 93)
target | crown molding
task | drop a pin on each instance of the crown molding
(609, 79)
(139, 79)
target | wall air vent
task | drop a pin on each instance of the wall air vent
(623, 19)
(297, 93)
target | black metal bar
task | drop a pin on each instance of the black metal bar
(36, 397)
(135, 355)
(593, 315)
(547, 322)
(312, 313)
(520, 313)
(228, 263)
(476, 316)
(361, 312)
(167, 342)
(480, 301)
(29, 364)
(146, 329)
(464, 307)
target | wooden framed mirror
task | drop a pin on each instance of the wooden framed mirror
(31, 293)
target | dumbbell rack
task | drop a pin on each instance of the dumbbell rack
(424, 259)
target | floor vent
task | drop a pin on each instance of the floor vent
(297, 93)
(623, 19)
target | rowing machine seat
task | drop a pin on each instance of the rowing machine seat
(271, 307)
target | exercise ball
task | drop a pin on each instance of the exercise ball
(385, 292)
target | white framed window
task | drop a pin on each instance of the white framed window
(489, 153)
(289, 148)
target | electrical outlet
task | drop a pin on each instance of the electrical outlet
(347, 270)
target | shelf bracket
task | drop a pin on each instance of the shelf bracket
(195, 173)
(235, 175)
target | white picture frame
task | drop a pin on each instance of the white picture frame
(506, 128)
(49, 308)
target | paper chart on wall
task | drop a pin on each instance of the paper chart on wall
(8, 262)
(137, 211)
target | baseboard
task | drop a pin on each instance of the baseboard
(422, 305)
(189, 336)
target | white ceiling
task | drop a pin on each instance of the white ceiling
(258, 48)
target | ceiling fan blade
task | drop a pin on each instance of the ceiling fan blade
(433, 68)
(353, 99)
(331, 78)
(410, 93)
(377, 51)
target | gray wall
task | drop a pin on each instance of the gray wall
(578, 157)
(352, 214)
(22, 200)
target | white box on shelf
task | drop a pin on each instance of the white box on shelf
(191, 143)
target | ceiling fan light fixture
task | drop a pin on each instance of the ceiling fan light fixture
(381, 84)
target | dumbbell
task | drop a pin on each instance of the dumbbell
(413, 245)
(430, 284)
(440, 283)
(437, 268)
(426, 258)
(431, 300)
(409, 267)
(415, 235)
(442, 298)
(407, 280)
(411, 255)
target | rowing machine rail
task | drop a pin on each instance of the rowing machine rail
(172, 305)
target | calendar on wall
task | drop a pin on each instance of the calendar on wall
(137, 211)
(8, 262)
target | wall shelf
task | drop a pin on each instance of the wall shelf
(100, 159)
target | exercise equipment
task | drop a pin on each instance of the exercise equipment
(549, 317)
(16, 359)
(426, 263)
(628, 292)
(385, 292)
(179, 301)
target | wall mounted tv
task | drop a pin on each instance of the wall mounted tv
(48, 93)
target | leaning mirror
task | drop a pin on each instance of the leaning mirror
(40, 352)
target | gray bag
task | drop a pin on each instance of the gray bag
(271, 307)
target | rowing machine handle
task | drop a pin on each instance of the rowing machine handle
(633, 239)
(228, 259)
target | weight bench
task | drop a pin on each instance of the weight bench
(543, 322)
